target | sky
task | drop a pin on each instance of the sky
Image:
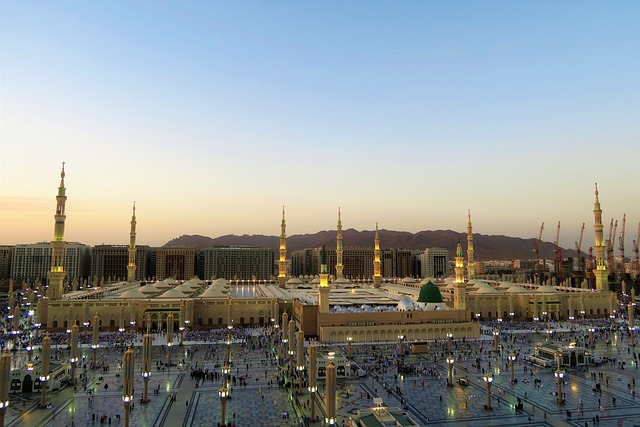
(212, 115)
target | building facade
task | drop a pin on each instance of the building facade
(238, 263)
(436, 262)
(178, 263)
(33, 261)
(111, 261)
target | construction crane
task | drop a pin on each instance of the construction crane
(558, 251)
(636, 253)
(623, 270)
(610, 242)
(536, 245)
(578, 253)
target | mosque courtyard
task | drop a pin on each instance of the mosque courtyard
(260, 396)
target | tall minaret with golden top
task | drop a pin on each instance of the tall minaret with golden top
(459, 294)
(339, 266)
(131, 266)
(57, 274)
(282, 262)
(471, 266)
(377, 276)
(601, 272)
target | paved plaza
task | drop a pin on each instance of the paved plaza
(177, 398)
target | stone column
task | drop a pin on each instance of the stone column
(5, 379)
(127, 383)
(73, 359)
(330, 403)
(300, 358)
(95, 338)
(313, 381)
(147, 341)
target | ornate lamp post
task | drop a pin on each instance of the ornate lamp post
(73, 359)
(95, 338)
(29, 352)
(223, 393)
(5, 379)
(292, 327)
(147, 341)
(496, 334)
(169, 338)
(559, 375)
(330, 404)
(512, 362)
(450, 337)
(127, 383)
(300, 358)
(450, 361)
(349, 353)
(488, 379)
(44, 369)
(591, 337)
(313, 374)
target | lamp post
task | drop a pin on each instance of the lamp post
(450, 362)
(349, 353)
(127, 383)
(73, 359)
(488, 379)
(300, 357)
(313, 373)
(291, 352)
(496, 334)
(147, 341)
(591, 337)
(330, 404)
(450, 337)
(223, 393)
(169, 338)
(512, 361)
(95, 339)
(559, 375)
(5, 379)
(44, 369)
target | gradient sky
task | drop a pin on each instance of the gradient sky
(211, 115)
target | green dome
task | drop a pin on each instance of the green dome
(430, 293)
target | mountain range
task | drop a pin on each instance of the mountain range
(486, 247)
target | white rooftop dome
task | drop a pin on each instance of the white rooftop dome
(487, 290)
(148, 289)
(516, 288)
(546, 289)
(132, 294)
(294, 281)
(405, 304)
(172, 293)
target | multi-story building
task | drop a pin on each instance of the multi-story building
(407, 263)
(5, 261)
(178, 263)
(436, 262)
(110, 261)
(33, 261)
(238, 263)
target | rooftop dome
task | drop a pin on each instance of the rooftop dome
(172, 293)
(487, 290)
(148, 289)
(294, 281)
(516, 288)
(342, 281)
(546, 289)
(132, 294)
(405, 304)
(430, 293)
(408, 280)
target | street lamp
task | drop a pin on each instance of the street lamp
(450, 336)
(127, 383)
(496, 333)
(512, 360)
(450, 362)
(559, 375)
(330, 403)
(223, 393)
(488, 379)
(349, 339)
(313, 374)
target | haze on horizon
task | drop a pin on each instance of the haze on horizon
(212, 115)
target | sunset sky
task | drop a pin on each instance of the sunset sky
(212, 115)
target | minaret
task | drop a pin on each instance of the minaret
(471, 266)
(323, 288)
(377, 277)
(282, 263)
(459, 294)
(339, 266)
(131, 267)
(601, 272)
(57, 274)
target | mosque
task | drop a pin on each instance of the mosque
(330, 308)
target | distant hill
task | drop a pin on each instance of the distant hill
(486, 247)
